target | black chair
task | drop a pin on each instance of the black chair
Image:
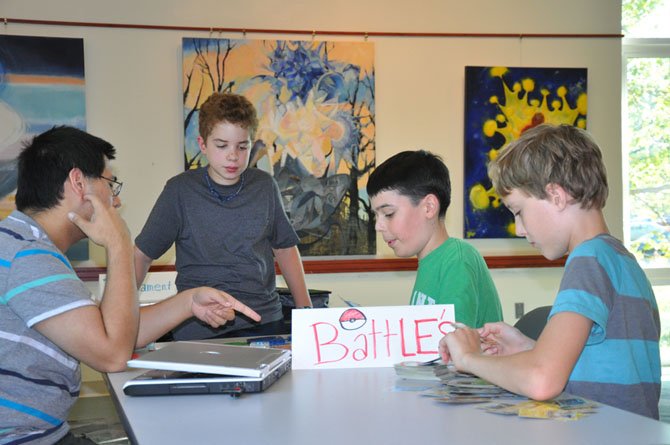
(531, 323)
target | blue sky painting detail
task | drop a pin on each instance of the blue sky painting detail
(41, 85)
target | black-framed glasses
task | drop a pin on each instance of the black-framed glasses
(113, 184)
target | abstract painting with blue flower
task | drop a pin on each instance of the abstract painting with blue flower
(316, 135)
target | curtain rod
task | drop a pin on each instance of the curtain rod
(312, 33)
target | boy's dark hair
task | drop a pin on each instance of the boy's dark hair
(414, 174)
(552, 154)
(46, 161)
(225, 107)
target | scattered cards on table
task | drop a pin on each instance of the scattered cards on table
(563, 408)
(456, 388)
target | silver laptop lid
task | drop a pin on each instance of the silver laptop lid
(212, 358)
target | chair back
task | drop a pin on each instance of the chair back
(531, 323)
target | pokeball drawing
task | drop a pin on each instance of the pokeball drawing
(352, 319)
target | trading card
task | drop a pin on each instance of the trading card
(462, 400)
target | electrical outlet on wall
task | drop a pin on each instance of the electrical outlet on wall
(518, 310)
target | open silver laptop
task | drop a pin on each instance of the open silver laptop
(207, 367)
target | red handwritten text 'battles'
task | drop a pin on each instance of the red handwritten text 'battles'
(378, 338)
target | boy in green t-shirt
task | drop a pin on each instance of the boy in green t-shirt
(410, 193)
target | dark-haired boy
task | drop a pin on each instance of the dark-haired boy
(48, 322)
(410, 193)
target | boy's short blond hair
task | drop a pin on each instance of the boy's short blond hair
(548, 154)
(226, 107)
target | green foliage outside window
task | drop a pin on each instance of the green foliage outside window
(648, 135)
(633, 11)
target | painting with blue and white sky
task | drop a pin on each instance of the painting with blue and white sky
(41, 85)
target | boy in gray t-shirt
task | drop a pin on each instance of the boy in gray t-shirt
(228, 225)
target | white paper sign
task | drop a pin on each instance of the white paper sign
(156, 286)
(367, 337)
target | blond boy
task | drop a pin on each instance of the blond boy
(601, 338)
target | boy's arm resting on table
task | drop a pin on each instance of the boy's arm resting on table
(142, 264)
(210, 305)
(291, 268)
(102, 337)
(539, 373)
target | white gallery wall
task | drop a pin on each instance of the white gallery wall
(133, 92)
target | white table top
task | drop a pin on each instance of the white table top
(356, 406)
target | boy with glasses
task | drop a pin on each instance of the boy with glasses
(48, 322)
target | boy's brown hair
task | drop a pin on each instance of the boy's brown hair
(226, 107)
(549, 154)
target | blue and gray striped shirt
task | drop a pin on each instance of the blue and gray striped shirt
(620, 364)
(39, 382)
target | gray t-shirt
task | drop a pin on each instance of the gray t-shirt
(39, 382)
(223, 243)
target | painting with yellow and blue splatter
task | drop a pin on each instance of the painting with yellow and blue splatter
(500, 104)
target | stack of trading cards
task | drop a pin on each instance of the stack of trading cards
(463, 389)
(421, 370)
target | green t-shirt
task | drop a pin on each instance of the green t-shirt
(455, 273)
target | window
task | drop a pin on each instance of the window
(646, 143)
(646, 130)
